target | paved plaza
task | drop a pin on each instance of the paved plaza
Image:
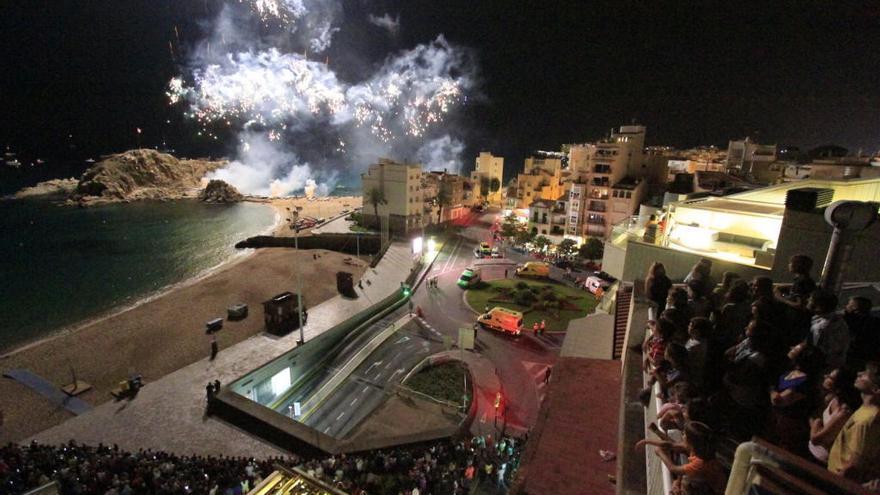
(168, 414)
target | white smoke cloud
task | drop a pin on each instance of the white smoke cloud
(443, 153)
(392, 25)
(298, 121)
(265, 168)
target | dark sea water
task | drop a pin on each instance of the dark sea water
(60, 266)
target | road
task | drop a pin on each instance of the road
(520, 362)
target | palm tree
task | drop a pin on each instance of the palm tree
(485, 184)
(376, 197)
(494, 185)
(444, 198)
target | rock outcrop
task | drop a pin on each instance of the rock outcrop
(141, 174)
(218, 191)
(50, 189)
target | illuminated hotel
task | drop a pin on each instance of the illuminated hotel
(751, 233)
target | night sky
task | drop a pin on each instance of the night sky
(794, 73)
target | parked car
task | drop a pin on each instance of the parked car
(496, 252)
(598, 282)
(503, 320)
(537, 269)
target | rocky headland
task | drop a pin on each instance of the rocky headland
(218, 191)
(133, 175)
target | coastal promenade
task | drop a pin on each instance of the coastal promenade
(168, 414)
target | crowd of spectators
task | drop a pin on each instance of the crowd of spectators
(745, 358)
(439, 467)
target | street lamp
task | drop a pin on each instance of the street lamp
(302, 338)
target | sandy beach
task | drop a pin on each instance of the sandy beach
(167, 333)
(318, 208)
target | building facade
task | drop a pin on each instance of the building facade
(490, 167)
(745, 155)
(541, 179)
(460, 196)
(401, 185)
(598, 169)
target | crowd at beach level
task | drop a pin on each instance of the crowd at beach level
(439, 467)
(745, 358)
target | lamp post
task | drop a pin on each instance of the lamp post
(299, 298)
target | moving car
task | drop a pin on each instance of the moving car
(496, 252)
(483, 250)
(537, 269)
(469, 277)
(503, 320)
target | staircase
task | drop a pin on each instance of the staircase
(621, 318)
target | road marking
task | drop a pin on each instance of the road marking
(353, 402)
(340, 416)
(365, 390)
(388, 365)
(377, 363)
(326, 429)
(378, 375)
(400, 341)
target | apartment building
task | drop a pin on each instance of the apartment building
(460, 195)
(547, 218)
(746, 155)
(611, 169)
(541, 179)
(401, 186)
(490, 167)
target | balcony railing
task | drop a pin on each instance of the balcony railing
(596, 206)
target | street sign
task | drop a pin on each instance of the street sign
(297, 410)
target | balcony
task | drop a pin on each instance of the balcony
(602, 169)
(755, 466)
(596, 206)
(601, 181)
(595, 194)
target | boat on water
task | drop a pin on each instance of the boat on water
(14, 163)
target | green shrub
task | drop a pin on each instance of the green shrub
(524, 297)
(522, 285)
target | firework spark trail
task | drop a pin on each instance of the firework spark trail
(281, 101)
(275, 89)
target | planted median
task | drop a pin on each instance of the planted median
(554, 303)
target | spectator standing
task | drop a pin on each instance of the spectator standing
(734, 316)
(795, 396)
(802, 285)
(856, 449)
(747, 378)
(215, 348)
(702, 272)
(657, 286)
(719, 294)
(864, 330)
(699, 304)
(679, 313)
(828, 330)
(841, 399)
(697, 348)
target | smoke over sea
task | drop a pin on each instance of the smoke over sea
(261, 72)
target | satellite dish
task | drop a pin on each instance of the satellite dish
(851, 215)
